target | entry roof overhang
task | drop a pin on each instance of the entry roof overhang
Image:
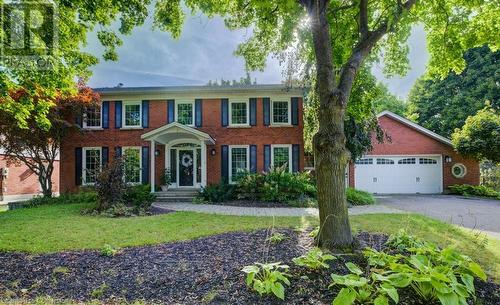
(175, 131)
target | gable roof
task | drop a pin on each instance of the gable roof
(415, 126)
(176, 127)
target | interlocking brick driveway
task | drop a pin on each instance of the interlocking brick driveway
(481, 214)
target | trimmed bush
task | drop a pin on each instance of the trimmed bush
(277, 185)
(218, 192)
(474, 190)
(139, 197)
(357, 197)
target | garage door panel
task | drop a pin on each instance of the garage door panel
(399, 175)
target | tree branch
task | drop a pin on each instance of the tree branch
(363, 18)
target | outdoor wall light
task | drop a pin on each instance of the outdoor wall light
(212, 152)
(157, 152)
(447, 159)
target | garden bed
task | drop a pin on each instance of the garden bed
(206, 270)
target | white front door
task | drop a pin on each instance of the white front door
(399, 175)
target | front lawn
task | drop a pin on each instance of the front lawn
(61, 227)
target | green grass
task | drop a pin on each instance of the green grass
(55, 228)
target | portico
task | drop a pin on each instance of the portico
(185, 154)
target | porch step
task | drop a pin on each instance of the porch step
(175, 199)
(177, 195)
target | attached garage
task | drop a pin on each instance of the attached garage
(399, 174)
(412, 160)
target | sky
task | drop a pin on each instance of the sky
(205, 52)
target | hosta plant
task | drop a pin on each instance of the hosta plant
(276, 238)
(267, 278)
(314, 259)
(375, 289)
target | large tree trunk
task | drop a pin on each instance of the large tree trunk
(330, 153)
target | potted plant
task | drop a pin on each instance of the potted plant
(166, 179)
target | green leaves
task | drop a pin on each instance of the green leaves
(346, 296)
(314, 259)
(353, 268)
(267, 278)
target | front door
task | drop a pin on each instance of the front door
(186, 167)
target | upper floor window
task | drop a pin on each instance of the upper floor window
(91, 164)
(238, 113)
(93, 117)
(132, 164)
(281, 156)
(132, 113)
(184, 113)
(280, 112)
(238, 162)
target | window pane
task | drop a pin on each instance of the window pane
(238, 113)
(280, 112)
(92, 165)
(238, 163)
(93, 117)
(185, 114)
(131, 157)
(132, 115)
(281, 157)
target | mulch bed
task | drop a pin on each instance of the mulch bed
(202, 271)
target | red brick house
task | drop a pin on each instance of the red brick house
(414, 160)
(201, 134)
(18, 182)
(205, 134)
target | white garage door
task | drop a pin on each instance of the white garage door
(399, 175)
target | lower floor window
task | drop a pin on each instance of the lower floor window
(281, 157)
(132, 164)
(238, 162)
(91, 164)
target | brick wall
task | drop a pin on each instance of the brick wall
(406, 140)
(22, 181)
(258, 135)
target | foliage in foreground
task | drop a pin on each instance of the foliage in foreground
(267, 278)
(436, 275)
(358, 197)
(65, 198)
(474, 190)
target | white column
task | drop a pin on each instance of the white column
(152, 166)
(203, 163)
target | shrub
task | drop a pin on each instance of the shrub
(139, 197)
(110, 185)
(267, 278)
(357, 197)
(276, 185)
(219, 192)
(474, 190)
(314, 259)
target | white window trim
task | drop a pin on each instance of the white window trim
(84, 123)
(231, 112)
(289, 112)
(230, 167)
(139, 148)
(84, 162)
(176, 110)
(289, 146)
(125, 103)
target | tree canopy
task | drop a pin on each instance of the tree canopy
(479, 138)
(443, 105)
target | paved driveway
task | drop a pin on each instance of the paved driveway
(481, 214)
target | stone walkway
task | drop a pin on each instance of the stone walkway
(251, 211)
